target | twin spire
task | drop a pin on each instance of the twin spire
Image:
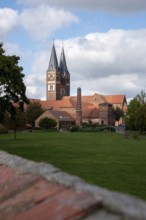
(53, 64)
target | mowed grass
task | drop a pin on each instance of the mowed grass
(105, 159)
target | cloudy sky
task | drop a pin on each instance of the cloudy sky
(104, 42)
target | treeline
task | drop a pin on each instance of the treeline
(135, 118)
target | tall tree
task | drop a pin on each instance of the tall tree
(141, 97)
(12, 87)
(136, 113)
(20, 120)
(131, 115)
(33, 111)
(141, 118)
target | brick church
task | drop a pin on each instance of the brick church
(66, 109)
(58, 77)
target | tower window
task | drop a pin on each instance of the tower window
(51, 87)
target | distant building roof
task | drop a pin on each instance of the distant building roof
(115, 99)
(90, 104)
(56, 104)
(61, 115)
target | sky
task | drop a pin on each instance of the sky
(104, 43)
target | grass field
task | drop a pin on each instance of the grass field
(105, 159)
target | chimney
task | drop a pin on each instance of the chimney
(79, 108)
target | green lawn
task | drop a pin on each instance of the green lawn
(105, 159)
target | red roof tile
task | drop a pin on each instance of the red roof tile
(90, 104)
(115, 99)
(56, 104)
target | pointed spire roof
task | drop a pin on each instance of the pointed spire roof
(63, 66)
(53, 64)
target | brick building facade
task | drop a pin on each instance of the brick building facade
(96, 108)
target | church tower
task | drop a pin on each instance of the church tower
(57, 77)
(52, 78)
(65, 76)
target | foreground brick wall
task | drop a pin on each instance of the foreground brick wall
(39, 191)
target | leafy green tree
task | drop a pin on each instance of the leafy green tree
(33, 111)
(118, 113)
(12, 87)
(131, 115)
(47, 123)
(141, 118)
(141, 97)
(20, 120)
(136, 113)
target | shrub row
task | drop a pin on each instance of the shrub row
(74, 128)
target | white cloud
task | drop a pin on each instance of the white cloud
(36, 81)
(40, 22)
(102, 54)
(8, 21)
(128, 84)
(112, 62)
(110, 5)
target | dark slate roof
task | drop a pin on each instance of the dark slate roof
(63, 66)
(61, 115)
(53, 64)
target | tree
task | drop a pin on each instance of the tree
(118, 113)
(141, 97)
(141, 118)
(47, 123)
(20, 120)
(33, 111)
(136, 113)
(131, 115)
(12, 87)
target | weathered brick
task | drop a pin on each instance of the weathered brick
(65, 205)
(13, 182)
(6, 174)
(28, 198)
(76, 200)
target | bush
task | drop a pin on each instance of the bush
(47, 123)
(74, 128)
(97, 129)
(111, 128)
(85, 129)
(3, 129)
(85, 125)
